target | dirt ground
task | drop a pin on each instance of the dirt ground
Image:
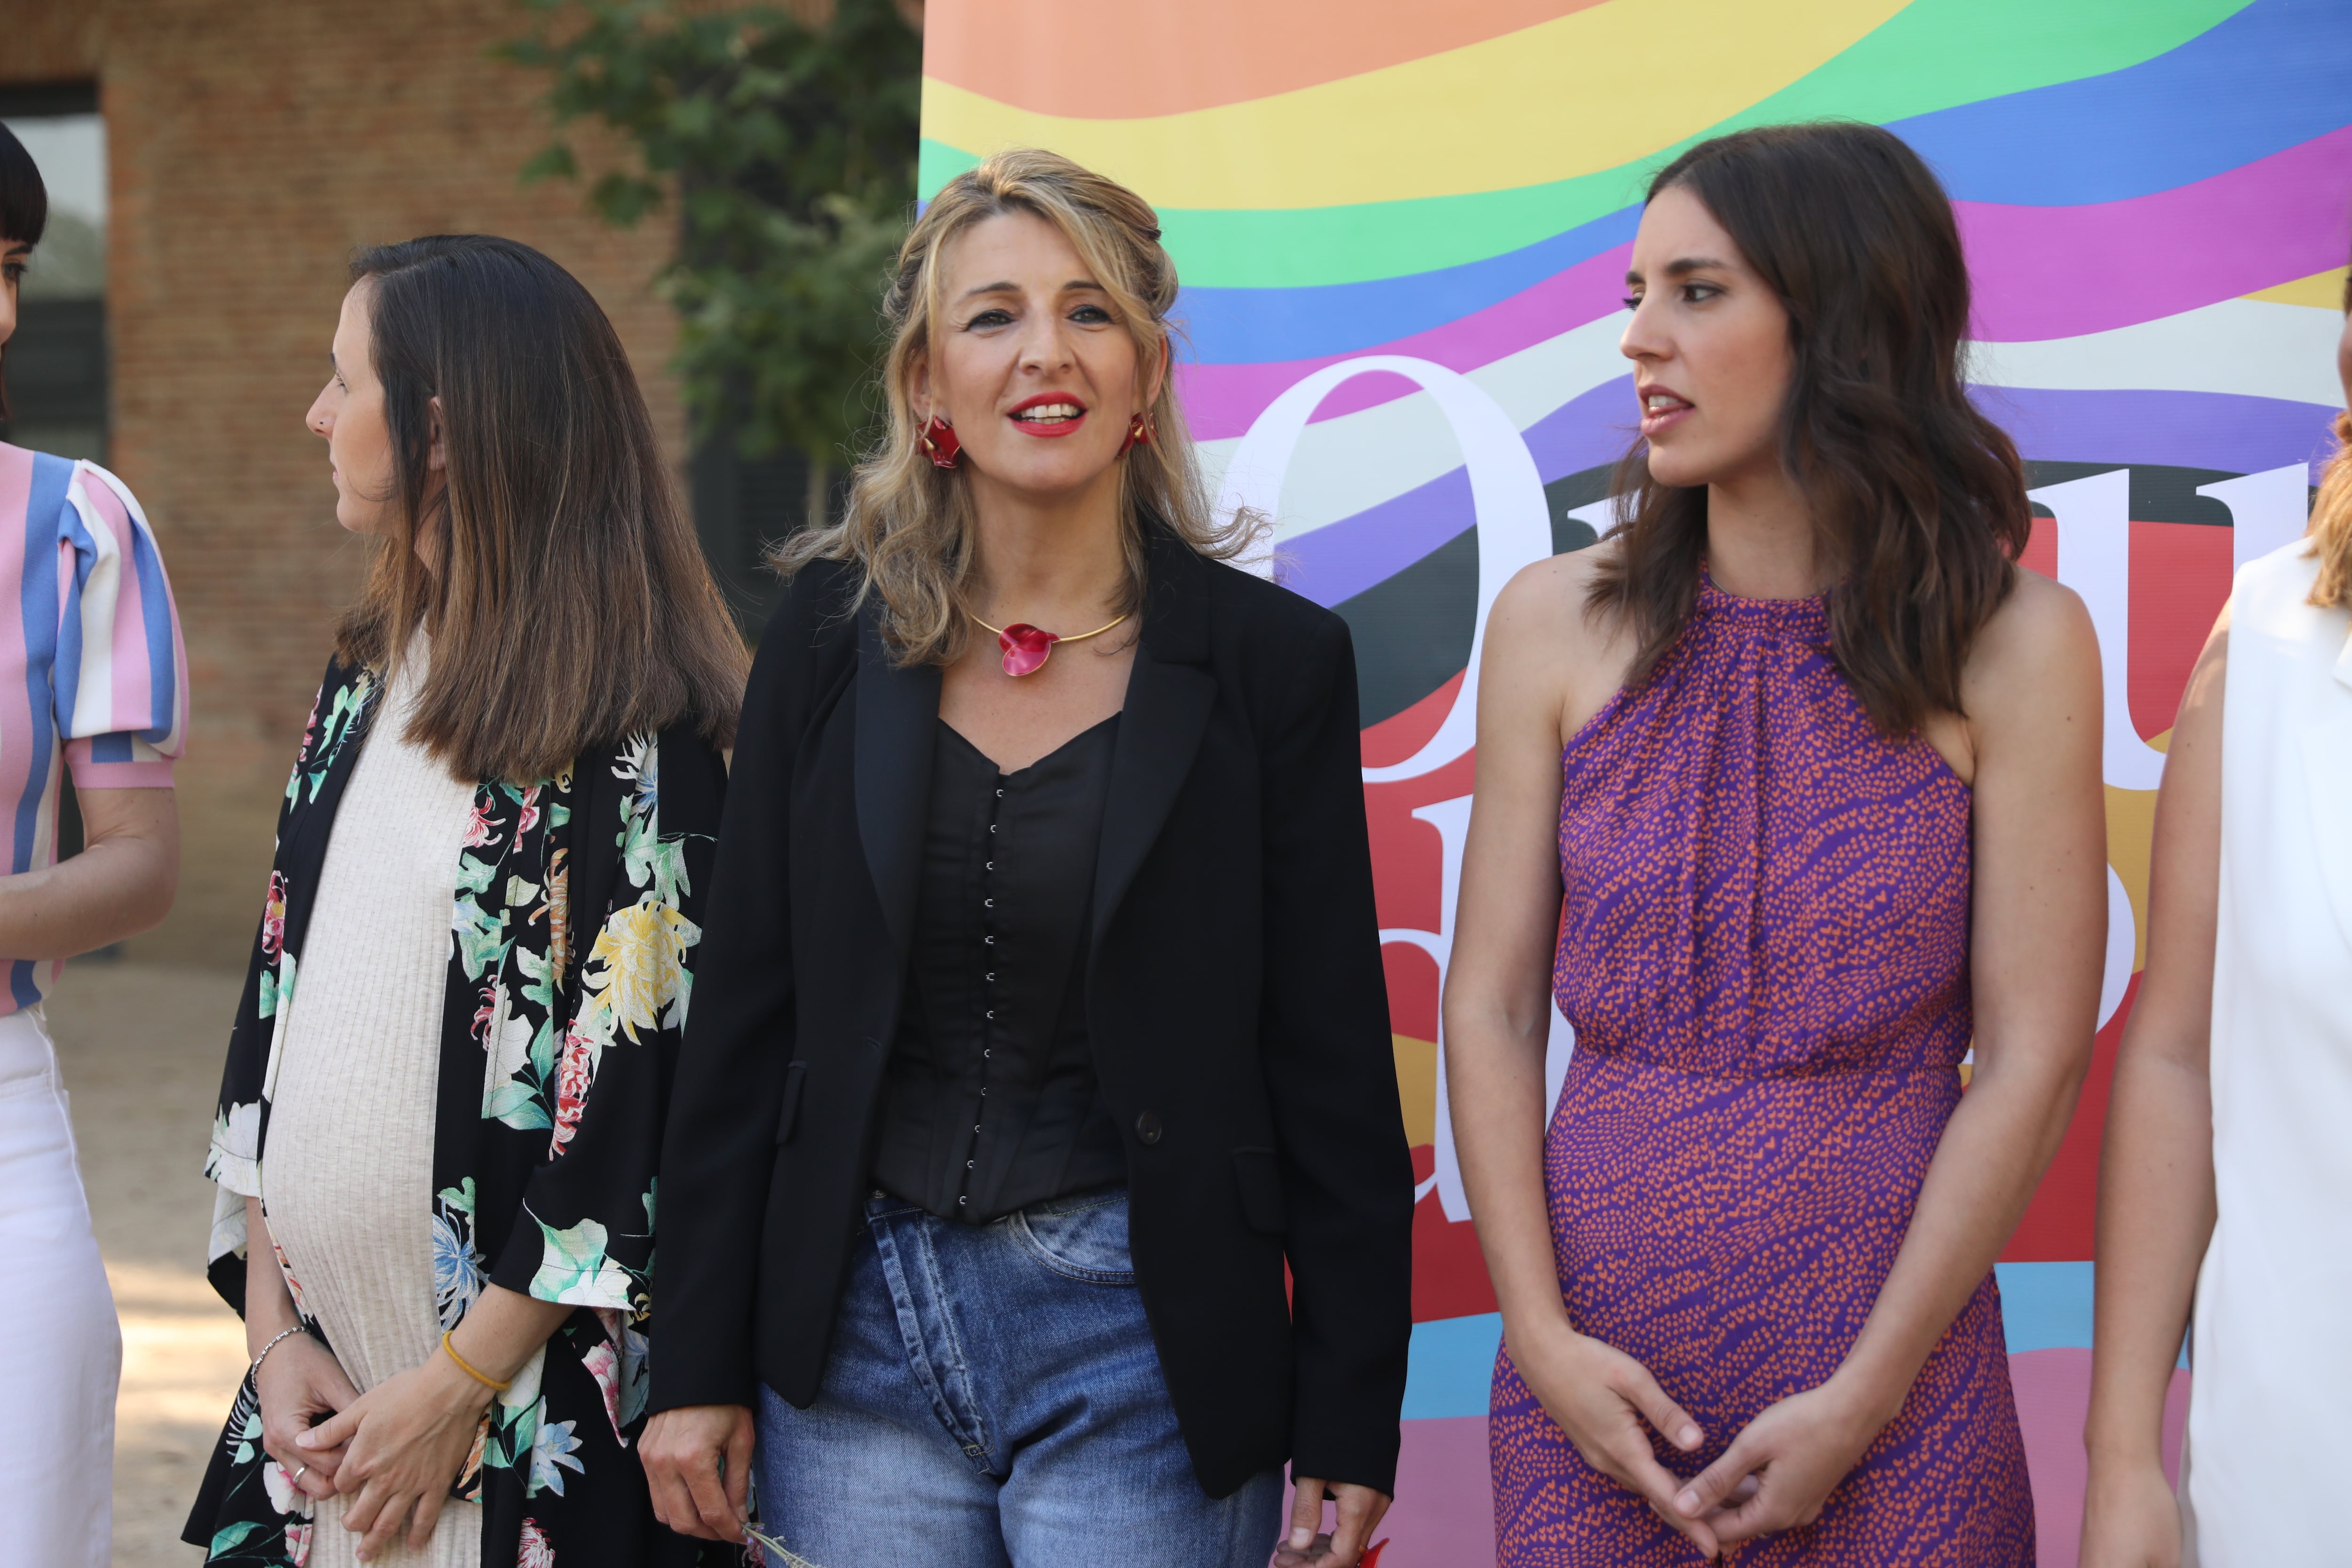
(140, 1047)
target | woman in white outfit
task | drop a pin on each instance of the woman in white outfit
(92, 679)
(2223, 1197)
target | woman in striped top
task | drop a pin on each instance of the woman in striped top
(92, 679)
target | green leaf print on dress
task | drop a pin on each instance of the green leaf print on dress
(533, 998)
(575, 1268)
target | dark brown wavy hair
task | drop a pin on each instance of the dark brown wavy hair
(1918, 497)
(569, 604)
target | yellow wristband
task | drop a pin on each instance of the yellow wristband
(467, 1367)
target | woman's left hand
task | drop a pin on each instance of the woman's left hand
(408, 1436)
(1782, 1467)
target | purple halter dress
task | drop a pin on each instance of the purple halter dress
(1764, 949)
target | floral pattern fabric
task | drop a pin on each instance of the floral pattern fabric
(555, 1067)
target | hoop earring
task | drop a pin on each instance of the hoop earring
(1139, 434)
(941, 443)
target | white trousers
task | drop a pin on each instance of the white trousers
(58, 1372)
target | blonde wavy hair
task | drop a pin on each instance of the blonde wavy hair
(2331, 512)
(2331, 521)
(910, 526)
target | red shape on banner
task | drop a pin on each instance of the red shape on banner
(2058, 1223)
(1449, 1272)
(1411, 976)
(2180, 581)
(1409, 857)
(2042, 549)
(1400, 735)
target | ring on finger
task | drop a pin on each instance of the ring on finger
(298, 1475)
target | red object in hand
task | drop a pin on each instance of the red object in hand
(1371, 1558)
(1026, 648)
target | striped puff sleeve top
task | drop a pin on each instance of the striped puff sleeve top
(93, 675)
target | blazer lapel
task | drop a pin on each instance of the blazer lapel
(1168, 698)
(897, 710)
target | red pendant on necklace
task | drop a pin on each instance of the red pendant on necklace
(1025, 647)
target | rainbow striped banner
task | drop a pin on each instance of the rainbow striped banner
(1402, 228)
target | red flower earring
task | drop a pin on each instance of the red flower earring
(941, 443)
(1139, 434)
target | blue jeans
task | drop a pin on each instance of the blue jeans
(994, 1400)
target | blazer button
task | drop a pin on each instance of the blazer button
(1147, 1127)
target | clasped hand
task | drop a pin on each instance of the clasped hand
(299, 1382)
(1776, 1474)
(393, 1451)
(1781, 1468)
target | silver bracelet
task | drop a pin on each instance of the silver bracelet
(281, 1335)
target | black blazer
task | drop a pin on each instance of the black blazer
(1234, 996)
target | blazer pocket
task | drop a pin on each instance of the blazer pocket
(788, 1119)
(1260, 1179)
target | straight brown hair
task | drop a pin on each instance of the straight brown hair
(1918, 497)
(569, 604)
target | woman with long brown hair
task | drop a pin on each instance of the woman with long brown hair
(1787, 793)
(440, 1121)
(1040, 1022)
(2223, 1179)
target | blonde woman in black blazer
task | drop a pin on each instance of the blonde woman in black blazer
(1019, 1329)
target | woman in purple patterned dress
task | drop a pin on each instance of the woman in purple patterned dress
(1801, 772)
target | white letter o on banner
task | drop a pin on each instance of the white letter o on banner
(1507, 493)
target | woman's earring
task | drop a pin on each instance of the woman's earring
(1139, 434)
(940, 443)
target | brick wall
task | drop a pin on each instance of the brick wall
(50, 40)
(253, 145)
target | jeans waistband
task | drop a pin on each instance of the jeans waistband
(881, 1203)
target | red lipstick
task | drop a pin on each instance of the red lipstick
(1048, 414)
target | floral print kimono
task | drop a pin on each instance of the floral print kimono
(573, 919)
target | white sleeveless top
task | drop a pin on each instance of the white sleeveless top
(2272, 1357)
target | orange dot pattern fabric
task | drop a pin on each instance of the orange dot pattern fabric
(1764, 952)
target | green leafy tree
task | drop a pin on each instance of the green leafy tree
(791, 146)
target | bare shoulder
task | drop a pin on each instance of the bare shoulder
(1544, 611)
(1552, 657)
(2040, 640)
